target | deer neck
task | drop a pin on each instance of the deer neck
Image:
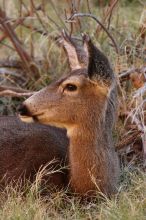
(86, 156)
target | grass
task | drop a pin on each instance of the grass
(128, 204)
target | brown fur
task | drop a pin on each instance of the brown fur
(88, 113)
(24, 148)
(92, 158)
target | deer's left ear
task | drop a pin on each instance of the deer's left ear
(98, 64)
(76, 55)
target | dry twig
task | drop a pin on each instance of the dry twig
(103, 27)
(14, 92)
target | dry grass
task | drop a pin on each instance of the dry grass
(128, 204)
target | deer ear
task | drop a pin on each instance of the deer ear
(98, 64)
(76, 55)
(70, 49)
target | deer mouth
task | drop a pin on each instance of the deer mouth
(25, 118)
(29, 118)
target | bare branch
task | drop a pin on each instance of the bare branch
(129, 140)
(127, 73)
(17, 22)
(14, 89)
(14, 92)
(103, 27)
(110, 12)
(88, 6)
(13, 37)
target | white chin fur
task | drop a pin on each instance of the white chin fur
(26, 119)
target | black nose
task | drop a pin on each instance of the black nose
(22, 110)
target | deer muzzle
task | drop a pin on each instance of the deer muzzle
(24, 114)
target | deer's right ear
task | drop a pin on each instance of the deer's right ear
(98, 64)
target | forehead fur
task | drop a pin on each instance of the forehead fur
(76, 79)
(78, 76)
(73, 75)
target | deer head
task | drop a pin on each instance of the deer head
(81, 94)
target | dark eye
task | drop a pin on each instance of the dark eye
(71, 87)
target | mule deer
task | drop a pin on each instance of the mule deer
(83, 102)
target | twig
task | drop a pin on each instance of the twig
(8, 46)
(14, 89)
(88, 6)
(71, 11)
(11, 63)
(14, 26)
(74, 10)
(20, 16)
(13, 37)
(38, 16)
(129, 140)
(27, 61)
(5, 71)
(18, 22)
(31, 28)
(54, 8)
(127, 73)
(43, 7)
(15, 94)
(111, 12)
(107, 15)
(49, 18)
(141, 127)
(35, 29)
(103, 27)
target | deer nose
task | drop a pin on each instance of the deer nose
(22, 110)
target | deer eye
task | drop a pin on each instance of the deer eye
(70, 87)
